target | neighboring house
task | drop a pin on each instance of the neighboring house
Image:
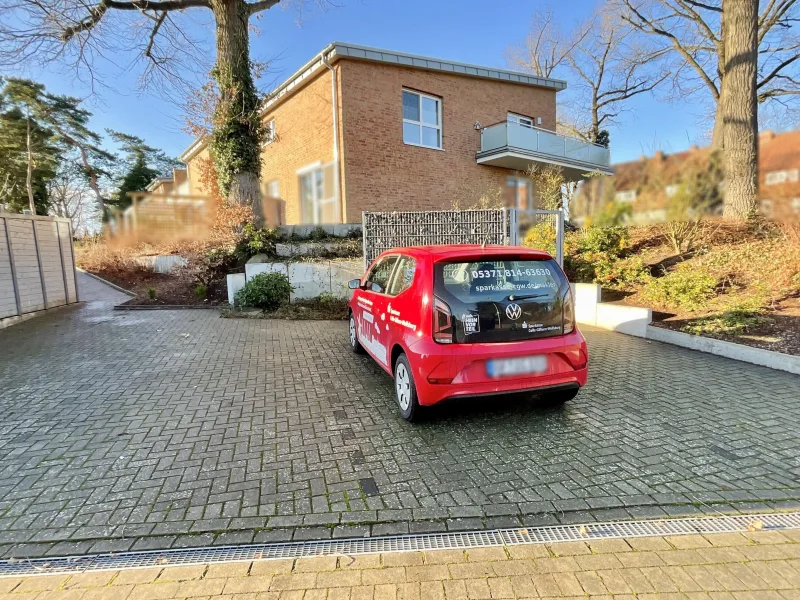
(359, 129)
(651, 183)
(166, 210)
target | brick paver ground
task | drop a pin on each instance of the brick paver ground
(757, 566)
(153, 429)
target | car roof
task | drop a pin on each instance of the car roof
(454, 251)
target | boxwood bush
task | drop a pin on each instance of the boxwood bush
(267, 291)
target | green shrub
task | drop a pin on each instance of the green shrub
(541, 236)
(151, 293)
(201, 291)
(622, 273)
(614, 241)
(267, 291)
(731, 322)
(254, 240)
(686, 288)
(590, 255)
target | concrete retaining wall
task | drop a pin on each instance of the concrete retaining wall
(309, 279)
(37, 269)
(632, 320)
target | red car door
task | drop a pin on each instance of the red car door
(370, 310)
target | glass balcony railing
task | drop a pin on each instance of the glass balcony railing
(514, 137)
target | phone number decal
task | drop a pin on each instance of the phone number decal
(493, 273)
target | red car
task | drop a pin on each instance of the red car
(465, 320)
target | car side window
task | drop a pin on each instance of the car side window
(403, 276)
(378, 278)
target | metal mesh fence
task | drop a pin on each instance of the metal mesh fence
(386, 230)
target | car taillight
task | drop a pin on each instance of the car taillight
(442, 322)
(568, 312)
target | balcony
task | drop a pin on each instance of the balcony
(515, 146)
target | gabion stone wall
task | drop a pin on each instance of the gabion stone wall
(386, 230)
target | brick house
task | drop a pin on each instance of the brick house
(359, 128)
(649, 183)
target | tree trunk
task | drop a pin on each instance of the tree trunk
(236, 139)
(29, 174)
(739, 107)
(718, 135)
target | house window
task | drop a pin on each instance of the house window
(318, 199)
(520, 120)
(521, 192)
(672, 190)
(422, 120)
(796, 206)
(625, 196)
(766, 208)
(779, 177)
(273, 189)
(269, 132)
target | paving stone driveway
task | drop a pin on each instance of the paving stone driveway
(151, 429)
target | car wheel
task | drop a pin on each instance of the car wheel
(355, 345)
(560, 396)
(405, 389)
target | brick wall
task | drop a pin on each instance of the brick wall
(304, 132)
(383, 173)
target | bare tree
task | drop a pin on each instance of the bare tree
(78, 32)
(608, 68)
(739, 107)
(71, 197)
(690, 33)
(547, 46)
(602, 61)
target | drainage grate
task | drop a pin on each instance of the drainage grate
(404, 543)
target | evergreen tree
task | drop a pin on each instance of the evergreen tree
(140, 165)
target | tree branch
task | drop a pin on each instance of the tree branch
(97, 12)
(260, 5)
(151, 40)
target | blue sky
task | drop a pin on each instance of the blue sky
(467, 30)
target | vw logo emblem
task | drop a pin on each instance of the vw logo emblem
(513, 311)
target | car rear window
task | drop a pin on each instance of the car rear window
(470, 281)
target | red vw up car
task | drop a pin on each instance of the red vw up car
(464, 320)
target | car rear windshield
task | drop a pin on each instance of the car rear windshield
(489, 279)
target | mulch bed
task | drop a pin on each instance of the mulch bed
(779, 332)
(171, 290)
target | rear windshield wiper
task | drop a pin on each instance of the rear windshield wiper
(528, 297)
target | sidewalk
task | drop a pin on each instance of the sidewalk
(758, 566)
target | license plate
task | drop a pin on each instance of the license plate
(524, 365)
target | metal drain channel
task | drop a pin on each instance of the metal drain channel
(404, 543)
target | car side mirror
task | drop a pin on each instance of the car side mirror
(354, 284)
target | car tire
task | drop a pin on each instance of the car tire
(560, 396)
(355, 345)
(405, 390)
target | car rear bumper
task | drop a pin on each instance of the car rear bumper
(459, 371)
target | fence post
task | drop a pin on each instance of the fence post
(364, 237)
(74, 266)
(13, 268)
(560, 237)
(63, 266)
(39, 260)
(513, 223)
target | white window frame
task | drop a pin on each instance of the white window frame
(521, 120)
(420, 123)
(625, 196)
(317, 202)
(269, 132)
(277, 184)
(781, 177)
(513, 182)
(766, 207)
(672, 189)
